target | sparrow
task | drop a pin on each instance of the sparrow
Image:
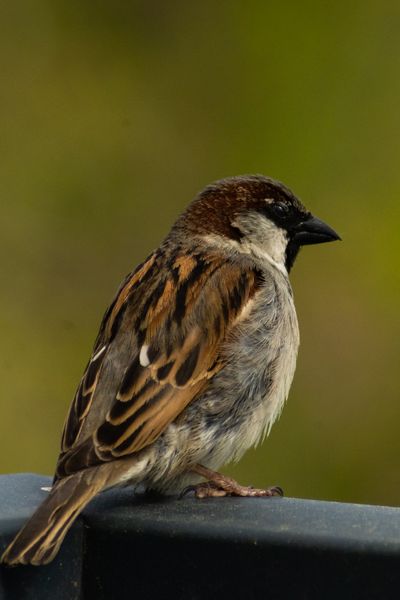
(193, 361)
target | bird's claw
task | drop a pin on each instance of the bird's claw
(211, 489)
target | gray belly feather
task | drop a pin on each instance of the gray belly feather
(245, 398)
(258, 375)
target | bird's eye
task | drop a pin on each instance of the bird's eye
(280, 209)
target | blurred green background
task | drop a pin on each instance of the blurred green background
(114, 114)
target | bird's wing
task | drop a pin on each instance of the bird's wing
(83, 400)
(179, 326)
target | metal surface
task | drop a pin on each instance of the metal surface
(61, 580)
(141, 547)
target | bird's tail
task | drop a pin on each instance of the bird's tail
(39, 540)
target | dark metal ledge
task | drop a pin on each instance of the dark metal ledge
(128, 546)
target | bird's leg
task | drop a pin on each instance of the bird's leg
(218, 485)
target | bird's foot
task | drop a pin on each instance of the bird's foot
(206, 489)
(219, 485)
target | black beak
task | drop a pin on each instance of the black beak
(313, 231)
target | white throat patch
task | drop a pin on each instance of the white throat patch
(261, 239)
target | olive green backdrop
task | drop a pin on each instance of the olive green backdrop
(114, 114)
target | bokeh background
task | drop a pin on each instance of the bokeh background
(114, 114)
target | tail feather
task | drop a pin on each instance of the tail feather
(39, 540)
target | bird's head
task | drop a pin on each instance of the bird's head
(256, 215)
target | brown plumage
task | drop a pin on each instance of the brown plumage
(144, 410)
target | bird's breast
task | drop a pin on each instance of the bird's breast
(249, 394)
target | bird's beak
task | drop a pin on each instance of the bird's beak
(314, 231)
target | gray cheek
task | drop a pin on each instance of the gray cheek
(263, 235)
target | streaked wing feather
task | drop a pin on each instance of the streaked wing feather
(180, 351)
(84, 395)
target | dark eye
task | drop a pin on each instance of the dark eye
(280, 209)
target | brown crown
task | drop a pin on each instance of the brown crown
(214, 208)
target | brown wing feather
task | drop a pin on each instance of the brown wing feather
(84, 395)
(182, 351)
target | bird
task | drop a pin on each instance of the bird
(193, 361)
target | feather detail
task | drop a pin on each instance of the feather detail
(84, 395)
(180, 347)
(39, 540)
